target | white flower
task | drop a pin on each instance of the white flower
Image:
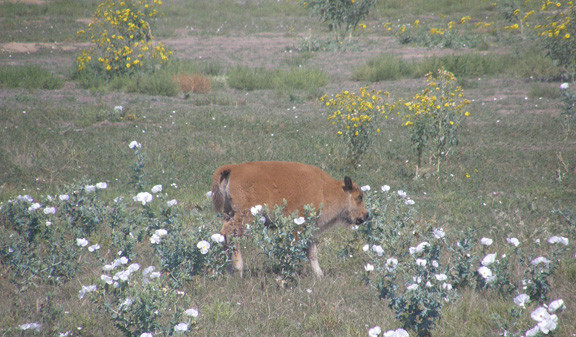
(172, 202)
(155, 274)
(218, 238)
(133, 267)
(102, 186)
(106, 279)
(64, 197)
(521, 300)
(155, 239)
(540, 314)
(564, 86)
(441, 277)
(513, 241)
(385, 188)
(486, 273)
(438, 233)
(391, 264)
(203, 246)
(208, 194)
(157, 189)
(25, 197)
(401, 194)
(409, 202)
(368, 267)
(540, 259)
(486, 241)
(421, 262)
(30, 326)
(365, 188)
(552, 240)
(143, 197)
(34, 207)
(366, 247)
(50, 210)
(191, 312)
(378, 250)
(181, 327)
(446, 286)
(134, 144)
(119, 108)
(413, 286)
(396, 333)
(435, 264)
(146, 334)
(86, 289)
(147, 271)
(82, 242)
(256, 209)
(419, 249)
(89, 188)
(546, 322)
(489, 259)
(93, 247)
(299, 220)
(555, 305)
(375, 331)
(533, 332)
(127, 302)
(161, 232)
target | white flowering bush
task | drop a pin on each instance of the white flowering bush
(138, 174)
(187, 252)
(138, 301)
(35, 241)
(284, 239)
(418, 270)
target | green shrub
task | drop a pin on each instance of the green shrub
(343, 16)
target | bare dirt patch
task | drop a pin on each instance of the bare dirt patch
(29, 2)
(33, 47)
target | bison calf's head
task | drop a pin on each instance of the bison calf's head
(356, 212)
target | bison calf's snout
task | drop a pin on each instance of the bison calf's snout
(362, 219)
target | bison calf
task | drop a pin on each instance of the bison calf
(237, 188)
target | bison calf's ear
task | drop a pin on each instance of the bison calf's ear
(347, 184)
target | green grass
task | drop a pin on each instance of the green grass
(391, 67)
(29, 77)
(306, 79)
(509, 147)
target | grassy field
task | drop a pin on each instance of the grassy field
(268, 63)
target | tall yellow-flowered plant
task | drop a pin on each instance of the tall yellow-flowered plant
(434, 116)
(122, 37)
(354, 117)
(558, 33)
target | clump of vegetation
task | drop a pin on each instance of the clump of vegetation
(30, 77)
(355, 117)
(434, 117)
(121, 33)
(342, 16)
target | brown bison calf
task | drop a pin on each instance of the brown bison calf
(237, 188)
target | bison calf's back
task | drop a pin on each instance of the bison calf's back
(237, 188)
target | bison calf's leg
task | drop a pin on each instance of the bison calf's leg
(237, 262)
(313, 257)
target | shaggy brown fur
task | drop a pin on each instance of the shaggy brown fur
(237, 188)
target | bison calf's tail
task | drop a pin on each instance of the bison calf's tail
(220, 193)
